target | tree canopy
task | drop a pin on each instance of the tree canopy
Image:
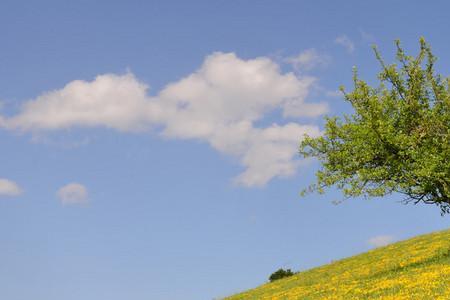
(397, 140)
(279, 274)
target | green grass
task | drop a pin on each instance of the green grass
(418, 268)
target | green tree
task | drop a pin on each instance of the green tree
(280, 273)
(397, 140)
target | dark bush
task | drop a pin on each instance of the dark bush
(280, 273)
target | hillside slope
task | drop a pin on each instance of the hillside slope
(418, 268)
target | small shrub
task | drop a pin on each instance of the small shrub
(280, 273)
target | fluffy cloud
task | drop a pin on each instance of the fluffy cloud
(112, 101)
(73, 193)
(219, 103)
(9, 188)
(381, 240)
(345, 42)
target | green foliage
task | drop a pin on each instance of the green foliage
(280, 273)
(397, 139)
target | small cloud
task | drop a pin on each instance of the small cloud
(73, 193)
(381, 240)
(9, 188)
(253, 219)
(333, 94)
(308, 60)
(345, 42)
(367, 37)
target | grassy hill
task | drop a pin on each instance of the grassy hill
(418, 268)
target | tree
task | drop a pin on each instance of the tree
(280, 273)
(397, 140)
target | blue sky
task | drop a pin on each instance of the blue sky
(149, 147)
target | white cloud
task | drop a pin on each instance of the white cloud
(73, 193)
(112, 101)
(219, 104)
(381, 240)
(346, 42)
(9, 188)
(271, 153)
(334, 94)
(308, 60)
(367, 37)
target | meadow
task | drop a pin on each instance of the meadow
(418, 268)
